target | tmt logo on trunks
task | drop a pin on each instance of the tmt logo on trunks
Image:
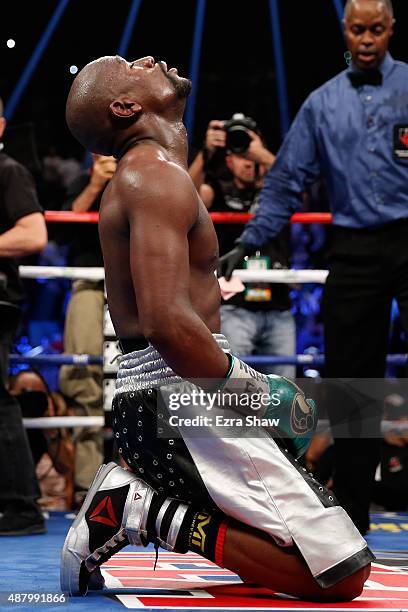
(198, 537)
(301, 417)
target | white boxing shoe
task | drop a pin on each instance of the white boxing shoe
(113, 515)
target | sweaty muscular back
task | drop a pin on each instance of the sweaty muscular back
(159, 246)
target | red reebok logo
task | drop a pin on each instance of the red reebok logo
(109, 518)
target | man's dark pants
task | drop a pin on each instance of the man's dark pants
(368, 268)
(19, 487)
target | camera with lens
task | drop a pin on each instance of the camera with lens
(238, 139)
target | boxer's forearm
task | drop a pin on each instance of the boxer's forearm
(28, 236)
(188, 346)
(86, 199)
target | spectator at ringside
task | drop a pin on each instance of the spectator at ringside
(52, 449)
(22, 232)
(256, 320)
(83, 331)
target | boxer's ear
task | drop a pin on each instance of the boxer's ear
(125, 108)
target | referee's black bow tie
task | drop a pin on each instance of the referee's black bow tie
(371, 76)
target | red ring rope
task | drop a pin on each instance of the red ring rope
(65, 216)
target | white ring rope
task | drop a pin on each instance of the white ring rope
(97, 274)
(64, 421)
(71, 272)
(282, 276)
(99, 421)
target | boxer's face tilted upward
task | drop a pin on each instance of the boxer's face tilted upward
(111, 95)
(151, 75)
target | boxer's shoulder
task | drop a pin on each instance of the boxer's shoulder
(148, 180)
(145, 160)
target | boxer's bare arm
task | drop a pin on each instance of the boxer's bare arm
(162, 208)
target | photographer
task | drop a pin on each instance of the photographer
(228, 175)
(242, 140)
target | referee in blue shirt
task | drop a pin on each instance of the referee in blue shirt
(353, 131)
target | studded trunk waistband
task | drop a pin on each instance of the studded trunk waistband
(146, 369)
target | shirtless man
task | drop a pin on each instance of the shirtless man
(243, 503)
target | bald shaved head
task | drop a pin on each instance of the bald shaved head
(87, 111)
(112, 101)
(386, 3)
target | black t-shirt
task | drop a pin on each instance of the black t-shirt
(229, 198)
(84, 237)
(18, 198)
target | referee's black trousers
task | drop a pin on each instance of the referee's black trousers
(368, 268)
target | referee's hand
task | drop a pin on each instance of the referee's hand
(231, 260)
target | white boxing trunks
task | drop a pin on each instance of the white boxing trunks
(251, 479)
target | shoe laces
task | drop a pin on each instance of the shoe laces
(103, 553)
(156, 550)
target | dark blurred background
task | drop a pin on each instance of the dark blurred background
(236, 74)
(237, 71)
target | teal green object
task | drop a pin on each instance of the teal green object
(348, 57)
(297, 415)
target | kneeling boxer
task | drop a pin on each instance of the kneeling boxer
(243, 502)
